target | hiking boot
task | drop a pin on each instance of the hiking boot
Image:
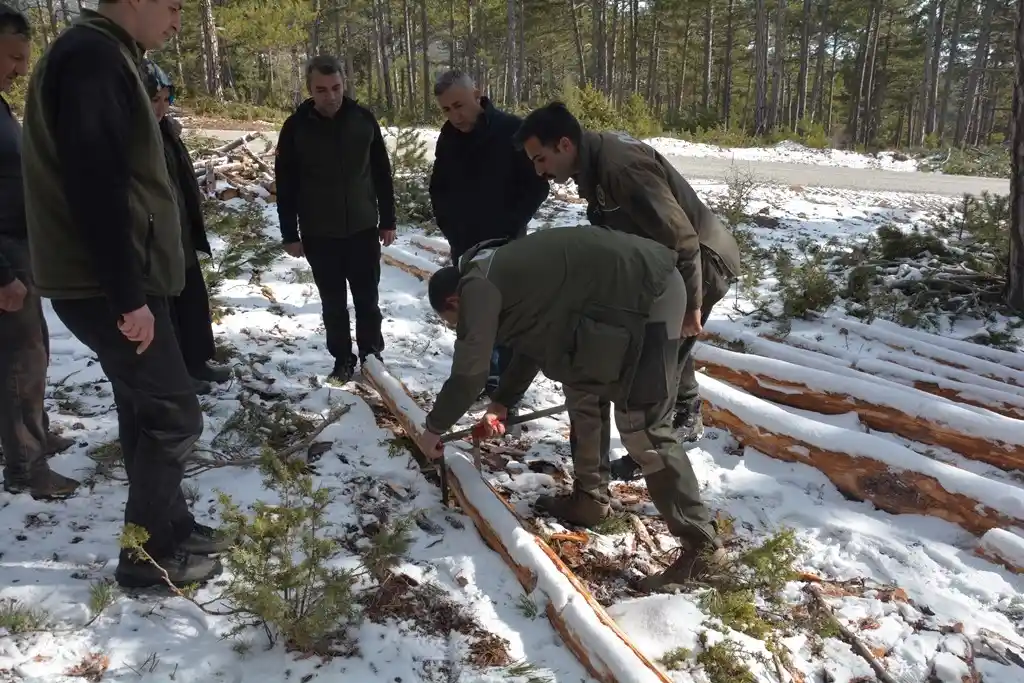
(688, 423)
(342, 372)
(201, 387)
(696, 560)
(217, 374)
(182, 569)
(626, 469)
(362, 358)
(55, 443)
(577, 508)
(46, 485)
(205, 540)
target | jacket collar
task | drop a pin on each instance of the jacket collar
(589, 153)
(308, 108)
(97, 21)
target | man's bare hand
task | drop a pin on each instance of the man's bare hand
(497, 410)
(138, 326)
(431, 443)
(12, 296)
(387, 237)
(691, 324)
(294, 249)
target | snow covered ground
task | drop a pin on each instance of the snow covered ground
(910, 586)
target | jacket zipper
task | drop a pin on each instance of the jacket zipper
(147, 264)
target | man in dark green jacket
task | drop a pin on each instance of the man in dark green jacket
(336, 205)
(599, 311)
(105, 243)
(630, 187)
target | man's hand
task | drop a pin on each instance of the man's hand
(497, 410)
(432, 445)
(387, 236)
(138, 326)
(294, 249)
(12, 296)
(691, 324)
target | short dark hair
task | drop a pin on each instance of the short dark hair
(443, 284)
(14, 22)
(324, 64)
(549, 124)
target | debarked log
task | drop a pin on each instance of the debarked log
(588, 631)
(417, 267)
(864, 466)
(979, 435)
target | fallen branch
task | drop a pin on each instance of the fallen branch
(264, 166)
(235, 144)
(984, 436)
(200, 465)
(849, 635)
(588, 631)
(864, 466)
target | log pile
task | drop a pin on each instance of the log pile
(235, 170)
(916, 415)
(863, 466)
(587, 630)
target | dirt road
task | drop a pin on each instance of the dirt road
(806, 175)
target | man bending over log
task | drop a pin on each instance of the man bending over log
(601, 312)
(632, 188)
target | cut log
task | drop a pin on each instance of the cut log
(1003, 547)
(235, 144)
(1011, 359)
(903, 359)
(431, 244)
(865, 466)
(882, 373)
(903, 342)
(978, 435)
(579, 619)
(410, 263)
(202, 174)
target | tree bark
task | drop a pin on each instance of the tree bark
(727, 64)
(778, 64)
(805, 58)
(761, 69)
(968, 106)
(425, 34)
(709, 33)
(1015, 266)
(578, 35)
(818, 93)
(211, 51)
(935, 36)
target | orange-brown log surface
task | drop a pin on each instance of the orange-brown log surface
(589, 654)
(418, 273)
(902, 492)
(888, 418)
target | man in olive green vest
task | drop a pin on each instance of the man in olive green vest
(630, 187)
(601, 312)
(105, 244)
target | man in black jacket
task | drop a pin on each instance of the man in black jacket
(105, 242)
(336, 205)
(25, 439)
(481, 187)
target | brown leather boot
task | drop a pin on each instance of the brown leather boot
(577, 508)
(696, 560)
(43, 485)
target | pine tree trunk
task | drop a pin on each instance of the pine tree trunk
(314, 28)
(805, 59)
(862, 64)
(947, 86)
(931, 121)
(761, 69)
(634, 43)
(818, 93)
(1015, 266)
(350, 67)
(778, 65)
(578, 34)
(652, 59)
(968, 106)
(869, 90)
(610, 61)
(510, 51)
(211, 51)
(521, 91)
(709, 33)
(425, 35)
(179, 65)
(410, 68)
(684, 62)
(727, 64)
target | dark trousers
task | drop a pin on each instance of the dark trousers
(716, 286)
(340, 263)
(193, 323)
(24, 353)
(158, 414)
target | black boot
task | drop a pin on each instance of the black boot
(342, 372)
(182, 569)
(44, 485)
(201, 387)
(688, 423)
(626, 469)
(205, 540)
(210, 373)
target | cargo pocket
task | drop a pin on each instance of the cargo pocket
(599, 351)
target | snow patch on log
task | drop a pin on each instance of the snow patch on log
(588, 631)
(1011, 359)
(864, 466)
(433, 244)
(1003, 547)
